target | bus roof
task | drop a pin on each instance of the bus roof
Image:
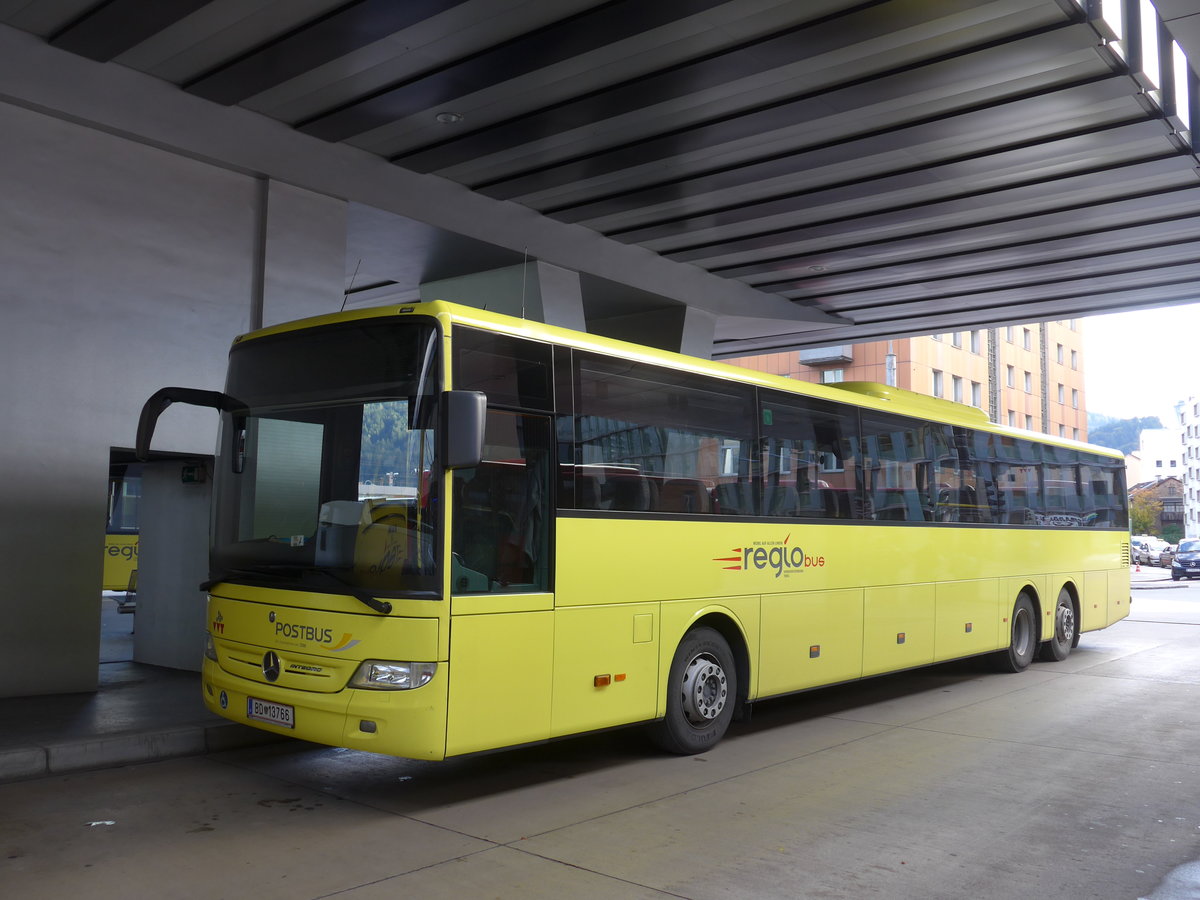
(864, 394)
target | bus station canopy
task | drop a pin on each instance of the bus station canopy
(808, 172)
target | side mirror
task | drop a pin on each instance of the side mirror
(162, 399)
(463, 414)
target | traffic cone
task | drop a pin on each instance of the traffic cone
(1137, 567)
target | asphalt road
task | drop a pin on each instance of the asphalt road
(1073, 780)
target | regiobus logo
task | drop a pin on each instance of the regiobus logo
(779, 556)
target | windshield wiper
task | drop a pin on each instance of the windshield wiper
(282, 571)
(380, 606)
(269, 572)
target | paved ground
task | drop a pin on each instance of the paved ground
(1074, 779)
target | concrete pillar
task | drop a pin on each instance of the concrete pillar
(173, 561)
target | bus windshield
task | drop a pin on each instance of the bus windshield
(322, 472)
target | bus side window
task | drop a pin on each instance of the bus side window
(896, 469)
(661, 441)
(811, 461)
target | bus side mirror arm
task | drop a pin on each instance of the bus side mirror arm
(163, 398)
(462, 421)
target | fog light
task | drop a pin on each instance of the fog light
(210, 648)
(379, 675)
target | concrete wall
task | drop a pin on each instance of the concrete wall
(123, 268)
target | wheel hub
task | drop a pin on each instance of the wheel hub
(1064, 624)
(705, 690)
(1022, 632)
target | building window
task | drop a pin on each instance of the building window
(1012, 419)
(1158, 464)
(1074, 359)
(1012, 377)
(937, 337)
(937, 383)
(956, 339)
(1062, 397)
(975, 341)
(832, 376)
(1008, 333)
(1028, 383)
(1074, 398)
(1028, 422)
(956, 385)
(1027, 339)
(1059, 354)
(1062, 430)
(977, 394)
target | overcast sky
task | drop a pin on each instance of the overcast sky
(1142, 363)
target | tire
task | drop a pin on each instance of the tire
(1022, 644)
(701, 694)
(1064, 637)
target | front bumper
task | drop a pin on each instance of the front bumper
(410, 723)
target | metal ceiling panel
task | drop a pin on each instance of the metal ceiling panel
(871, 164)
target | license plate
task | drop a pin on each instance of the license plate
(275, 713)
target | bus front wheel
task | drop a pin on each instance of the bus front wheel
(1064, 636)
(701, 694)
(1022, 642)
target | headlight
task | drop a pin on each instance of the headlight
(378, 675)
(210, 648)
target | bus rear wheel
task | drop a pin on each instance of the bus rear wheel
(701, 694)
(1064, 636)
(1022, 642)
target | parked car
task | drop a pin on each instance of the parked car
(1155, 551)
(1165, 558)
(1136, 545)
(1150, 550)
(1186, 563)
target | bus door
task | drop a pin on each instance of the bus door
(502, 611)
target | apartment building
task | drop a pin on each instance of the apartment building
(1161, 453)
(1026, 376)
(1188, 413)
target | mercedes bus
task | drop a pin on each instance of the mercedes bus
(440, 530)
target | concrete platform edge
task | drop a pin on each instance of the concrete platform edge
(109, 751)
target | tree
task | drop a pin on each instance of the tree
(1144, 512)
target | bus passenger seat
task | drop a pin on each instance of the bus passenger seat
(683, 495)
(587, 492)
(628, 492)
(837, 503)
(728, 499)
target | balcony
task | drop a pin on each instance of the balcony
(824, 356)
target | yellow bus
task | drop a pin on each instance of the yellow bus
(121, 527)
(439, 530)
